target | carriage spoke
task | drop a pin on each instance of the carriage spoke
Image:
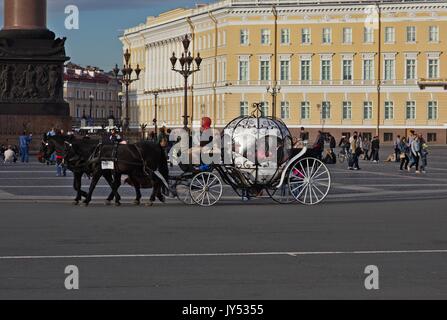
(210, 190)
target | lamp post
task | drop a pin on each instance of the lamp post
(187, 69)
(274, 92)
(127, 80)
(155, 93)
(91, 97)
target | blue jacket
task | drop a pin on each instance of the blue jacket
(24, 141)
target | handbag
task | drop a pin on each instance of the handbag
(402, 155)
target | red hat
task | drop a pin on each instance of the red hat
(206, 123)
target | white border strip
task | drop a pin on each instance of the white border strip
(192, 255)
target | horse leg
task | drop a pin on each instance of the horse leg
(159, 186)
(77, 179)
(116, 186)
(137, 201)
(94, 182)
(109, 179)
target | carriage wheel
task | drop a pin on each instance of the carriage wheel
(309, 181)
(281, 195)
(206, 189)
(183, 193)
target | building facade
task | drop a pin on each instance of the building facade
(92, 94)
(377, 67)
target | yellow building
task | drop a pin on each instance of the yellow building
(324, 58)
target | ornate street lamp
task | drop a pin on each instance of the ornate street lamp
(274, 92)
(127, 80)
(155, 93)
(187, 69)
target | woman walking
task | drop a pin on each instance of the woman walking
(415, 149)
(424, 155)
(404, 154)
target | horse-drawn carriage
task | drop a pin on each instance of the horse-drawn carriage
(256, 158)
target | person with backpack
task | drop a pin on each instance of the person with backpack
(404, 154)
(415, 149)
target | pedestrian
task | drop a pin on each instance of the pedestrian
(366, 148)
(303, 135)
(424, 155)
(9, 155)
(332, 143)
(318, 146)
(396, 148)
(415, 149)
(355, 152)
(114, 137)
(375, 147)
(404, 154)
(24, 142)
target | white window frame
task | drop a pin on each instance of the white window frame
(347, 35)
(247, 35)
(265, 33)
(325, 105)
(245, 59)
(411, 34)
(368, 35)
(307, 59)
(410, 105)
(305, 106)
(430, 112)
(389, 39)
(285, 105)
(433, 30)
(438, 67)
(371, 73)
(243, 105)
(367, 110)
(280, 69)
(326, 36)
(351, 60)
(393, 75)
(307, 35)
(407, 76)
(347, 105)
(330, 69)
(287, 30)
(261, 60)
(390, 106)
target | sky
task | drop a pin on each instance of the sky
(101, 22)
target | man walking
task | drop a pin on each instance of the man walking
(375, 146)
(24, 142)
(396, 148)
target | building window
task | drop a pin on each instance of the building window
(285, 110)
(411, 34)
(410, 73)
(305, 110)
(264, 109)
(347, 110)
(305, 36)
(347, 70)
(388, 137)
(368, 35)
(347, 35)
(327, 35)
(285, 70)
(367, 110)
(265, 70)
(411, 110)
(244, 37)
(389, 69)
(285, 36)
(390, 35)
(389, 110)
(325, 110)
(433, 34)
(265, 36)
(368, 69)
(433, 68)
(244, 108)
(325, 70)
(243, 70)
(431, 137)
(305, 70)
(432, 110)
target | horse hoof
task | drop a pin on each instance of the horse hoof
(75, 203)
(117, 204)
(162, 199)
(149, 204)
(108, 202)
(137, 202)
(85, 204)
